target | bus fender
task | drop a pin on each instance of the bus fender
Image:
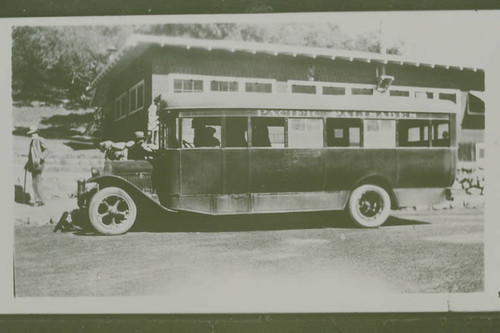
(378, 180)
(135, 192)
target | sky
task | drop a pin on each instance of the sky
(443, 36)
(448, 37)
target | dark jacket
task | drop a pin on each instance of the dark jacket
(138, 151)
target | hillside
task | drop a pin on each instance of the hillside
(72, 152)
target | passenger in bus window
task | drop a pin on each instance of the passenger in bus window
(236, 132)
(441, 134)
(199, 130)
(444, 140)
(205, 137)
(260, 135)
(210, 139)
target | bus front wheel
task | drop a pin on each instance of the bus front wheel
(112, 211)
(369, 206)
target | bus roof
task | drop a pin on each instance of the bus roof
(234, 100)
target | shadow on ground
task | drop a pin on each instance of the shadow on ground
(68, 120)
(60, 126)
(189, 222)
(186, 222)
(54, 132)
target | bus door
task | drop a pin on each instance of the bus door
(200, 163)
(166, 163)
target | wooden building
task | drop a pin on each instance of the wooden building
(148, 69)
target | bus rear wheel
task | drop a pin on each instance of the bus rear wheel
(369, 206)
(112, 211)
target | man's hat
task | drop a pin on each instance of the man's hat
(139, 135)
(32, 129)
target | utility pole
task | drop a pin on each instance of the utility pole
(383, 49)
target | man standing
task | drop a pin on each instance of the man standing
(36, 161)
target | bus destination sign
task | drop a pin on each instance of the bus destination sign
(337, 114)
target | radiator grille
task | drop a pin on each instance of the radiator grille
(141, 180)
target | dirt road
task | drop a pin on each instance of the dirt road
(281, 257)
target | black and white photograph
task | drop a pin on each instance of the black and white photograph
(252, 163)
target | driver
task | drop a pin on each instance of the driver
(139, 150)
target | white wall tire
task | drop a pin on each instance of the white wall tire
(369, 206)
(112, 211)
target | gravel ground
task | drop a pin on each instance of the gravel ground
(245, 259)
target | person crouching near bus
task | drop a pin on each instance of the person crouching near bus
(38, 152)
(139, 150)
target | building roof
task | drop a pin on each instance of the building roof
(137, 44)
(234, 100)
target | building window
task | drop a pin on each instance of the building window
(268, 132)
(121, 106)
(258, 87)
(305, 133)
(333, 90)
(140, 96)
(132, 99)
(201, 132)
(361, 91)
(448, 97)
(413, 133)
(303, 89)
(136, 97)
(342, 132)
(379, 133)
(223, 85)
(187, 86)
(402, 93)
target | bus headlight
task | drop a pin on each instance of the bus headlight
(95, 172)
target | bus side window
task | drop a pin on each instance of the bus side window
(305, 133)
(201, 132)
(379, 133)
(236, 132)
(268, 132)
(342, 132)
(441, 133)
(413, 133)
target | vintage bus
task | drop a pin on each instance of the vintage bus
(237, 154)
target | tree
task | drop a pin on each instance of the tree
(53, 64)
(327, 35)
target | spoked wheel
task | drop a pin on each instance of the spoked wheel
(112, 211)
(369, 206)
